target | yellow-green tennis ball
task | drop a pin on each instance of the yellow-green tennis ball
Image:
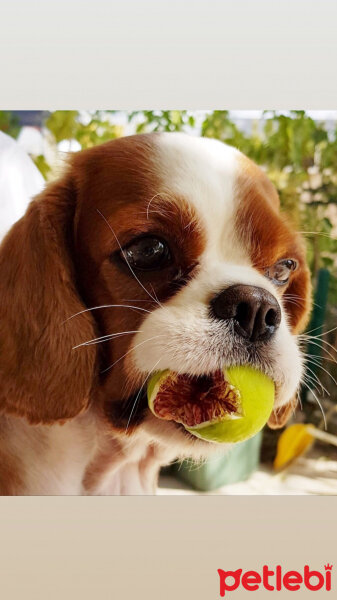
(255, 394)
(245, 401)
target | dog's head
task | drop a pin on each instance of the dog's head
(177, 246)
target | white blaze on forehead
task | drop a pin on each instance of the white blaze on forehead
(204, 172)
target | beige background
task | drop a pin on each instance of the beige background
(137, 54)
(156, 548)
(125, 54)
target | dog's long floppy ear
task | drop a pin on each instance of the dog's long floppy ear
(41, 377)
(280, 416)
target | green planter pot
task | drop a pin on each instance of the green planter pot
(237, 465)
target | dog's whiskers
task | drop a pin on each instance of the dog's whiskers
(316, 364)
(131, 350)
(164, 210)
(105, 338)
(316, 381)
(319, 343)
(299, 399)
(137, 300)
(297, 300)
(126, 260)
(139, 393)
(310, 338)
(156, 297)
(318, 402)
(321, 334)
(107, 306)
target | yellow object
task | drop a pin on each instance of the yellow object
(254, 393)
(296, 440)
(293, 442)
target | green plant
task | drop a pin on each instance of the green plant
(298, 153)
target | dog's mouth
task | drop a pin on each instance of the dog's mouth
(226, 406)
(184, 399)
(193, 401)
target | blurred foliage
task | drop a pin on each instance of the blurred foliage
(162, 120)
(42, 165)
(9, 123)
(298, 153)
(88, 132)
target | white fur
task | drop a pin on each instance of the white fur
(204, 172)
(54, 459)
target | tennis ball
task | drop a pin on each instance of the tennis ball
(230, 407)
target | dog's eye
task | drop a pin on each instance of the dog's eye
(280, 272)
(147, 253)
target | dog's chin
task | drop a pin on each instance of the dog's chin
(134, 417)
(175, 437)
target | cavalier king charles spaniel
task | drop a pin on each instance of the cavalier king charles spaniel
(151, 252)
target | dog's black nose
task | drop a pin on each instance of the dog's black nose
(255, 312)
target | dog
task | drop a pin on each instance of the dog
(151, 252)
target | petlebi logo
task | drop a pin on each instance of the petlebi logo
(275, 579)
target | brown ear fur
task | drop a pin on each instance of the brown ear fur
(280, 416)
(42, 377)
